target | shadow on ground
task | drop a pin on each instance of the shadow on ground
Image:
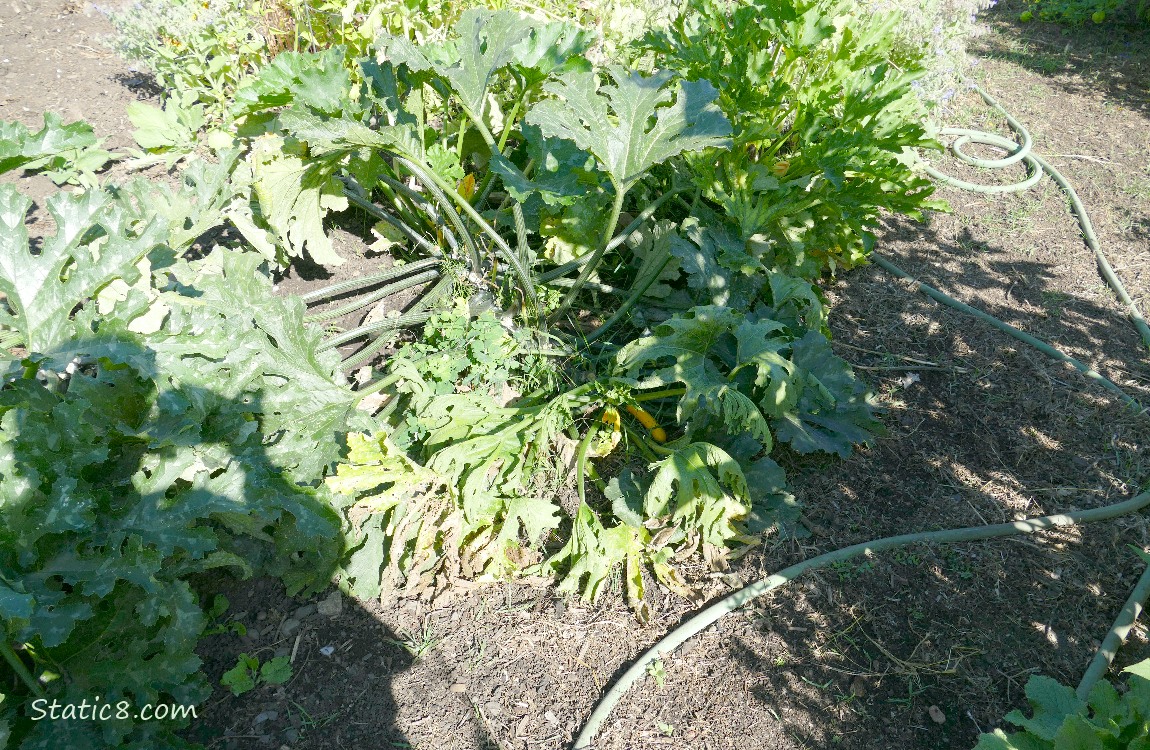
(1110, 59)
(345, 663)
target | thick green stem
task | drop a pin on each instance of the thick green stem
(509, 255)
(509, 125)
(593, 261)
(516, 209)
(640, 442)
(440, 189)
(459, 141)
(594, 285)
(665, 393)
(413, 202)
(581, 460)
(10, 339)
(20, 670)
(417, 314)
(415, 237)
(352, 284)
(509, 121)
(406, 213)
(625, 308)
(370, 299)
(391, 324)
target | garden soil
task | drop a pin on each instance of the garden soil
(918, 648)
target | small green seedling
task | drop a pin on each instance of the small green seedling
(248, 673)
(658, 671)
(417, 643)
(216, 623)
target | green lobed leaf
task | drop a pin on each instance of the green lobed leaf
(553, 49)
(245, 342)
(592, 552)
(833, 411)
(683, 350)
(294, 196)
(319, 81)
(1140, 669)
(635, 122)
(626, 496)
(36, 287)
(482, 43)
(241, 678)
(703, 488)
(15, 605)
(1061, 721)
(276, 671)
(1050, 703)
(172, 128)
(208, 194)
(562, 171)
(20, 148)
(719, 270)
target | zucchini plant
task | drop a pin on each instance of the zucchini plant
(159, 418)
(620, 328)
(1106, 720)
(823, 124)
(558, 185)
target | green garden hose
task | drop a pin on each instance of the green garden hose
(1036, 167)
(708, 616)
(1038, 344)
(1117, 635)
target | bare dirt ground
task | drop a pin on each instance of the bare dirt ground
(981, 429)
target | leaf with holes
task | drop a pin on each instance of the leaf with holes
(703, 488)
(44, 288)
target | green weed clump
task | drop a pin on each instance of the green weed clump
(197, 52)
(200, 52)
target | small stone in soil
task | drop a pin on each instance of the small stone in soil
(332, 606)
